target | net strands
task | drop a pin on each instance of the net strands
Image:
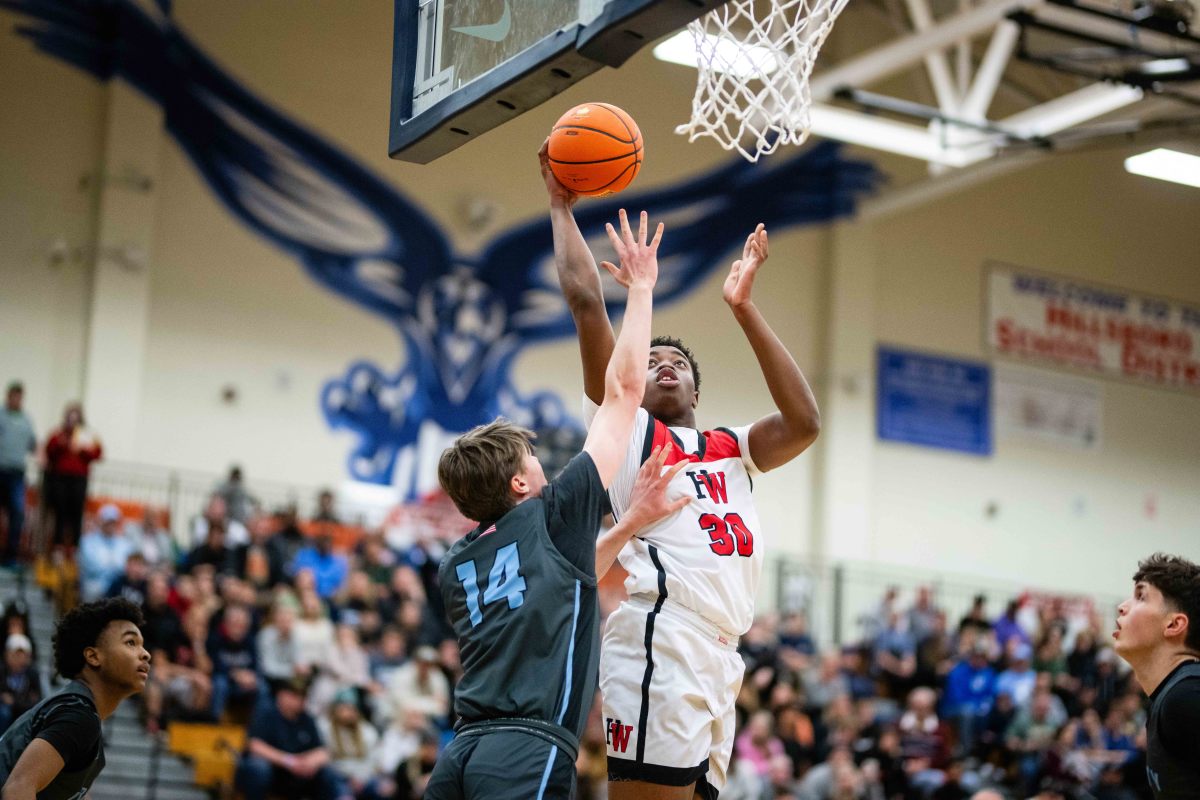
(752, 92)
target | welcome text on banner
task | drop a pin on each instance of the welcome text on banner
(1100, 329)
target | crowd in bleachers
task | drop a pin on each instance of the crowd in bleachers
(339, 662)
(1026, 703)
(343, 668)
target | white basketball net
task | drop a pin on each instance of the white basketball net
(752, 94)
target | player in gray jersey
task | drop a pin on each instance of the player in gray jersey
(520, 589)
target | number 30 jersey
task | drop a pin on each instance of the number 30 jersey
(707, 556)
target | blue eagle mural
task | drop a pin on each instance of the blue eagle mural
(463, 318)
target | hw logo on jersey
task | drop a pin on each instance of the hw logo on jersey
(709, 485)
(616, 734)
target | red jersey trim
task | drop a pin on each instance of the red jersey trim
(714, 445)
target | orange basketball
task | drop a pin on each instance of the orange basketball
(595, 149)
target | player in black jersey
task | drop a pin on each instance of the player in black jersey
(1158, 633)
(520, 589)
(54, 750)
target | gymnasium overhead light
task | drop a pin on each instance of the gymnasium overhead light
(744, 61)
(1165, 66)
(1166, 165)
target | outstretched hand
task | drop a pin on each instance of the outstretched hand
(558, 193)
(740, 280)
(648, 501)
(639, 260)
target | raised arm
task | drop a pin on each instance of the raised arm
(779, 437)
(648, 503)
(625, 377)
(580, 281)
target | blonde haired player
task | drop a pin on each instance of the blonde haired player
(669, 667)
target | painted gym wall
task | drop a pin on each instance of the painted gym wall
(1061, 516)
(226, 308)
(50, 139)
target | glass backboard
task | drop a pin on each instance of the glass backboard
(463, 67)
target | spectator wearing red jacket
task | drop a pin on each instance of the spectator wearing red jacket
(70, 452)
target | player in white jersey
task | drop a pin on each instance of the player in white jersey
(669, 667)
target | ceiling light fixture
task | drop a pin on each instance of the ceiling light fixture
(1166, 165)
(744, 61)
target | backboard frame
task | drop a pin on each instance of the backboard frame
(549, 66)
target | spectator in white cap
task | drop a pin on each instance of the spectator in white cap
(20, 683)
(102, 554)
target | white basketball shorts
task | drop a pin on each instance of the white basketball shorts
(669, 679)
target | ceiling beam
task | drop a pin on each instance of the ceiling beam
(878, 133)
(936, 62)
(1064, 112)
(915, 195)
(889, 59)
(991, 70)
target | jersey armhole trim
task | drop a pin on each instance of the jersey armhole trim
(651, 436)
(745, 456)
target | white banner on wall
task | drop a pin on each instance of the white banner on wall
(1105, 330)
(1055, 409)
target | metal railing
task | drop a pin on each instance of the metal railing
(838, 597)
(184, 494)
(841, 599)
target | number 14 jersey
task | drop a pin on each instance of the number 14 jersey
(707, 557)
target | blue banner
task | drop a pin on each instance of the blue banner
(934, 401)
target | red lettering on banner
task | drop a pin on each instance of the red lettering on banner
(1163, 368)
(1115, 329)
(1103, 330)
(1022, 341)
